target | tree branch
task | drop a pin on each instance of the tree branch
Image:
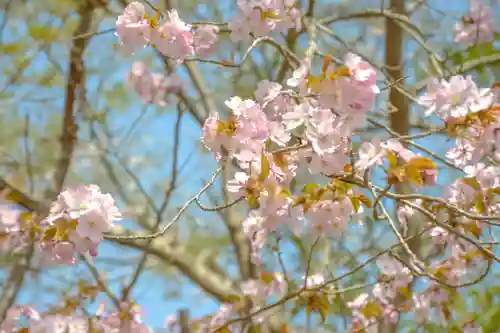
(75, 80)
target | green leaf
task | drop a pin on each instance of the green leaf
(253, 202)
(457, 58)
(473, 52)
(44, 33)
(472, 182)
(433, 328)
(310, 188)
(479, 204)
(264, 167)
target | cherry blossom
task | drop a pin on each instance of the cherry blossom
(370, 153)
(132, 27)
(260, 18)
(455, 98)
(421, 303)
(331, 217)
(476, 28)
(127, 319)
(314, 280)
(268, 285)
(93, 210)
(462, 153)
(9, 219)
(174, 38)
(257, 234)
(299, 76)
(205, 39)
(153, 88)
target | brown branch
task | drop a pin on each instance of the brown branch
(27, 154)
(15, 281)
(400, 120)
(19, 197)
(75, 81)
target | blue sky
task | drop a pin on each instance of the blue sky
(155, 132)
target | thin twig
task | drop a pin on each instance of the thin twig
(164, 229)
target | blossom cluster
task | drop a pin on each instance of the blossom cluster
(173, 38)
(478, 27)
(262, 17)
(75, 225)
(126, 319)
(153, 88)
(324, 120)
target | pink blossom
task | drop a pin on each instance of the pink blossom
(252, 124)
(261, 289)
(11, 322)
(238, 185)
(127, 319)
(244, 135)
(276, 106)
(421, 308)
(359, 90)
(171, 322)
(174, 38)
(132, 27)
(261, 18)
(455, 98)
(214, 138)
(93, 210)
(60, 252)
(401, 275)
(461, 155)
(297, 116)
(476, 28)
(487, 176)
(299, 76)
(225, 312)
(328, 164)
(153, 88)
(370, 153)
(323, 137)
(459, 193)
(205, 39)
(267, 91)
(330, 217)
(489, 143)
(314, 280)
(276, 208)
(439, 235)
(9, 219)
(404, 213)
(403, 154)
(254, 230)
(60, 324)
